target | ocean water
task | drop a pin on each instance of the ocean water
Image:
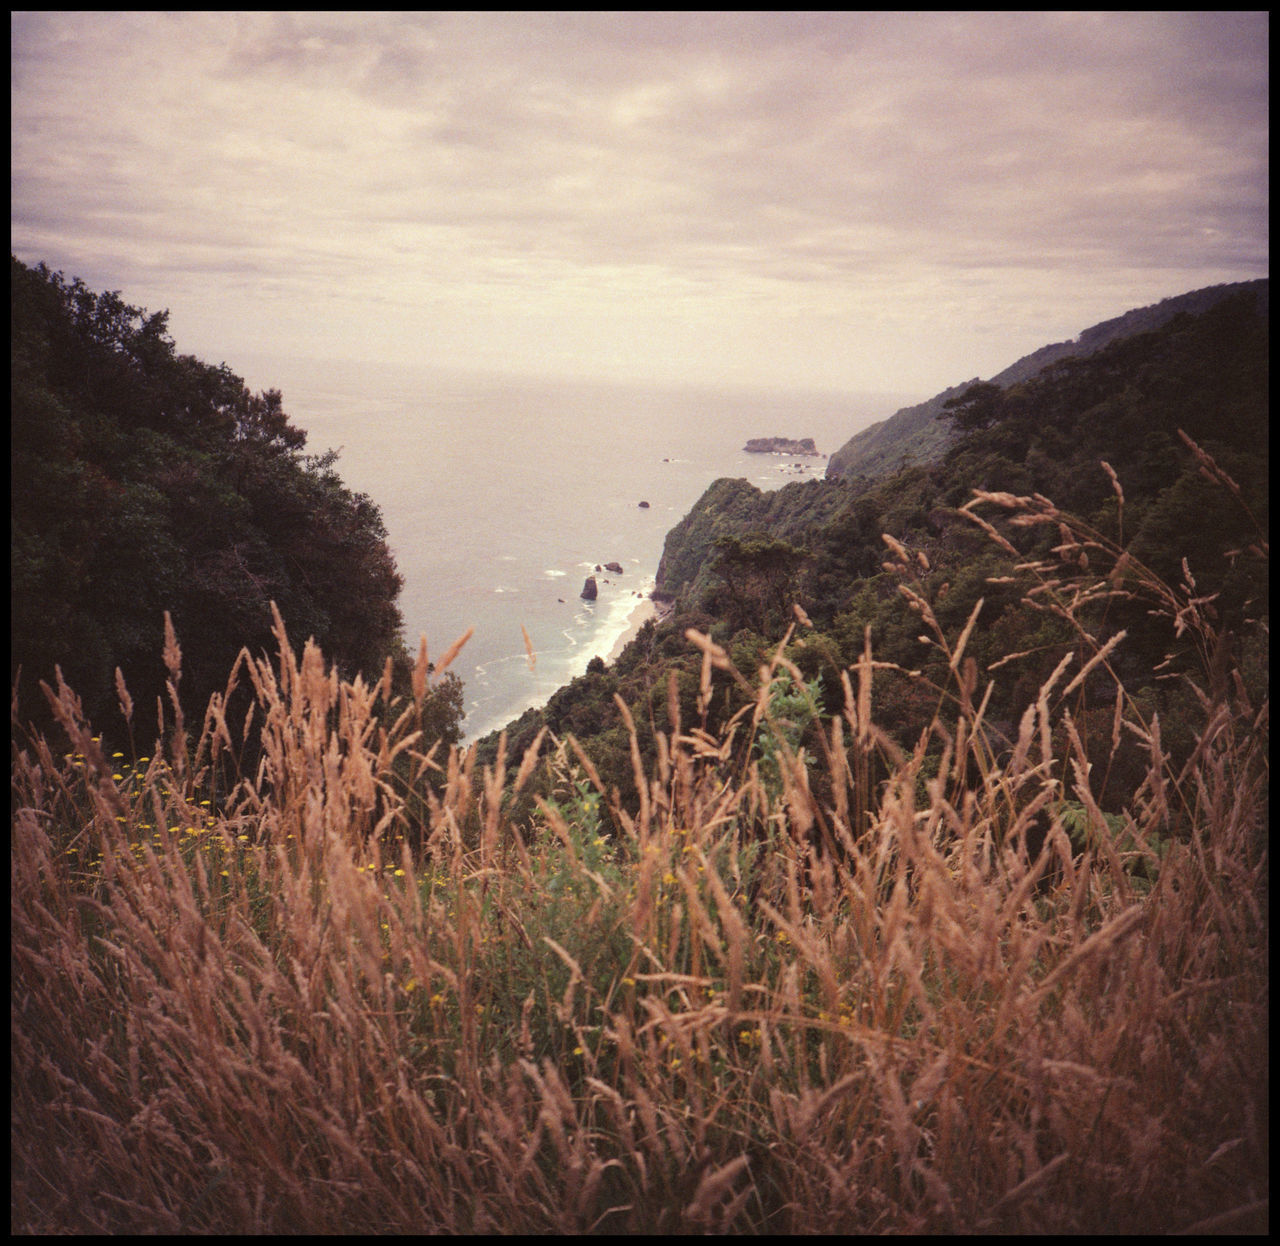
(501, 495)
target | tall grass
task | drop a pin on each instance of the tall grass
(333, 997)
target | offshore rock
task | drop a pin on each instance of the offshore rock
(780, 445)
(615, 567)
(589, 589)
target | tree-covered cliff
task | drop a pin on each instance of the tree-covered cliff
(1136, 439)
(914, 434)
(146, 481)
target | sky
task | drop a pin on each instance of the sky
(833, 201)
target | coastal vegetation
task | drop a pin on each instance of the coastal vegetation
(146, 481)
(915, 434)
(1134, 439)
(912, 876)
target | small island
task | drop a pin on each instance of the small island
(780, 445)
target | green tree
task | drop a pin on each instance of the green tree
(146, 481)
(759, 575)
(978, 407)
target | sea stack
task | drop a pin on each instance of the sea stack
(780, 445)
(589, 590)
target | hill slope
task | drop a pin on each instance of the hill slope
(914, 433)
(736, 565)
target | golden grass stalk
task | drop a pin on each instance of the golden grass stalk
(330, 1001)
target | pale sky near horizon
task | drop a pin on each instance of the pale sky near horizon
(831, 201)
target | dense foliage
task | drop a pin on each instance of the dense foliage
(1135, 438)
(767, 999)
(916, 435)
(146, 481)
(939, 907)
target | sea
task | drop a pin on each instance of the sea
(502, 494)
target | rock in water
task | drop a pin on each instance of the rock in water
(589, 590)
(780, 445)
(644, 506)
(615, 567)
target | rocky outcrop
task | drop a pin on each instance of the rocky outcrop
(589, 589)
(644, 506)
(780, 445)
(615, 567)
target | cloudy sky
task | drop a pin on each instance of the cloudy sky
(830, 200)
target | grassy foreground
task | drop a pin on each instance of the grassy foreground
(325, 996)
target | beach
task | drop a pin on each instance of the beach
(646, 609)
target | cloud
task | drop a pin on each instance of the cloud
(672, 174)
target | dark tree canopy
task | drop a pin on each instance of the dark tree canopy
(977, 407)
(146, 481)
(758, 575)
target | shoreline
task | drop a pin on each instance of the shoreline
(646, 608)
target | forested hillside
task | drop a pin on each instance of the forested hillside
(914, 434)
(146, 481)
(1133, 439)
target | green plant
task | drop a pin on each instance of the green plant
(793, 707)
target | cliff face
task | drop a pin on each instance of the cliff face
(916, 435)
(721, 509)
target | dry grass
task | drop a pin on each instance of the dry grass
(736, 1008)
